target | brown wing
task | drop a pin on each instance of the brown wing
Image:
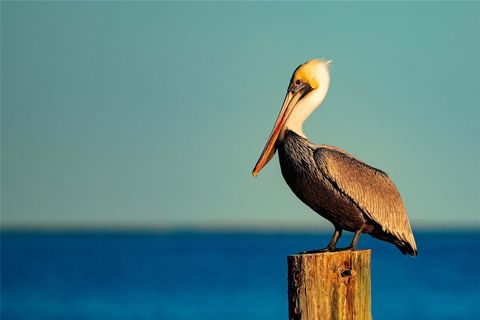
(371, 189)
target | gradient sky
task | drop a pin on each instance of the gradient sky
(153, 114)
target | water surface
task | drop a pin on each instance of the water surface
(212, 275)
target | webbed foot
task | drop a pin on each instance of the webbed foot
(349, 248)
(327, 249)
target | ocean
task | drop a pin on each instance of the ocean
(219, 275)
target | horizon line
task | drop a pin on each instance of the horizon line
(224, 227)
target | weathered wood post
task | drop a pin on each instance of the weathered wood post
(331, 285)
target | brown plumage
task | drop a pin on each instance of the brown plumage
(349, 193)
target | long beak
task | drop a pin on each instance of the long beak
(291, 99)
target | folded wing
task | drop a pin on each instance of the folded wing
(370, 189)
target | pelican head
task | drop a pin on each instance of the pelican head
(307, 89)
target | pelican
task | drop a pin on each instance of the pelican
(349, 193)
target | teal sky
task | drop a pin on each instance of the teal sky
(153, 114)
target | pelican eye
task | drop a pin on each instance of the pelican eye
(297, 85)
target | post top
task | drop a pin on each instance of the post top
(331, 254)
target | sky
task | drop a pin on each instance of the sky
(153, 114)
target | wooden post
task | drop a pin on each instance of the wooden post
(331, 285)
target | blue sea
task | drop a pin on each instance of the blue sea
(219, 275)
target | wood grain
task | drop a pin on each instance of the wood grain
(331, 285)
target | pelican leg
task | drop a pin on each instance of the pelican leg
(353, 244)
(333, 242)
(331, 245)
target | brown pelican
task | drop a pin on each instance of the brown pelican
(349, 193)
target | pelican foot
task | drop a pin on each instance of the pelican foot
(327, 249)
(349, 248)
